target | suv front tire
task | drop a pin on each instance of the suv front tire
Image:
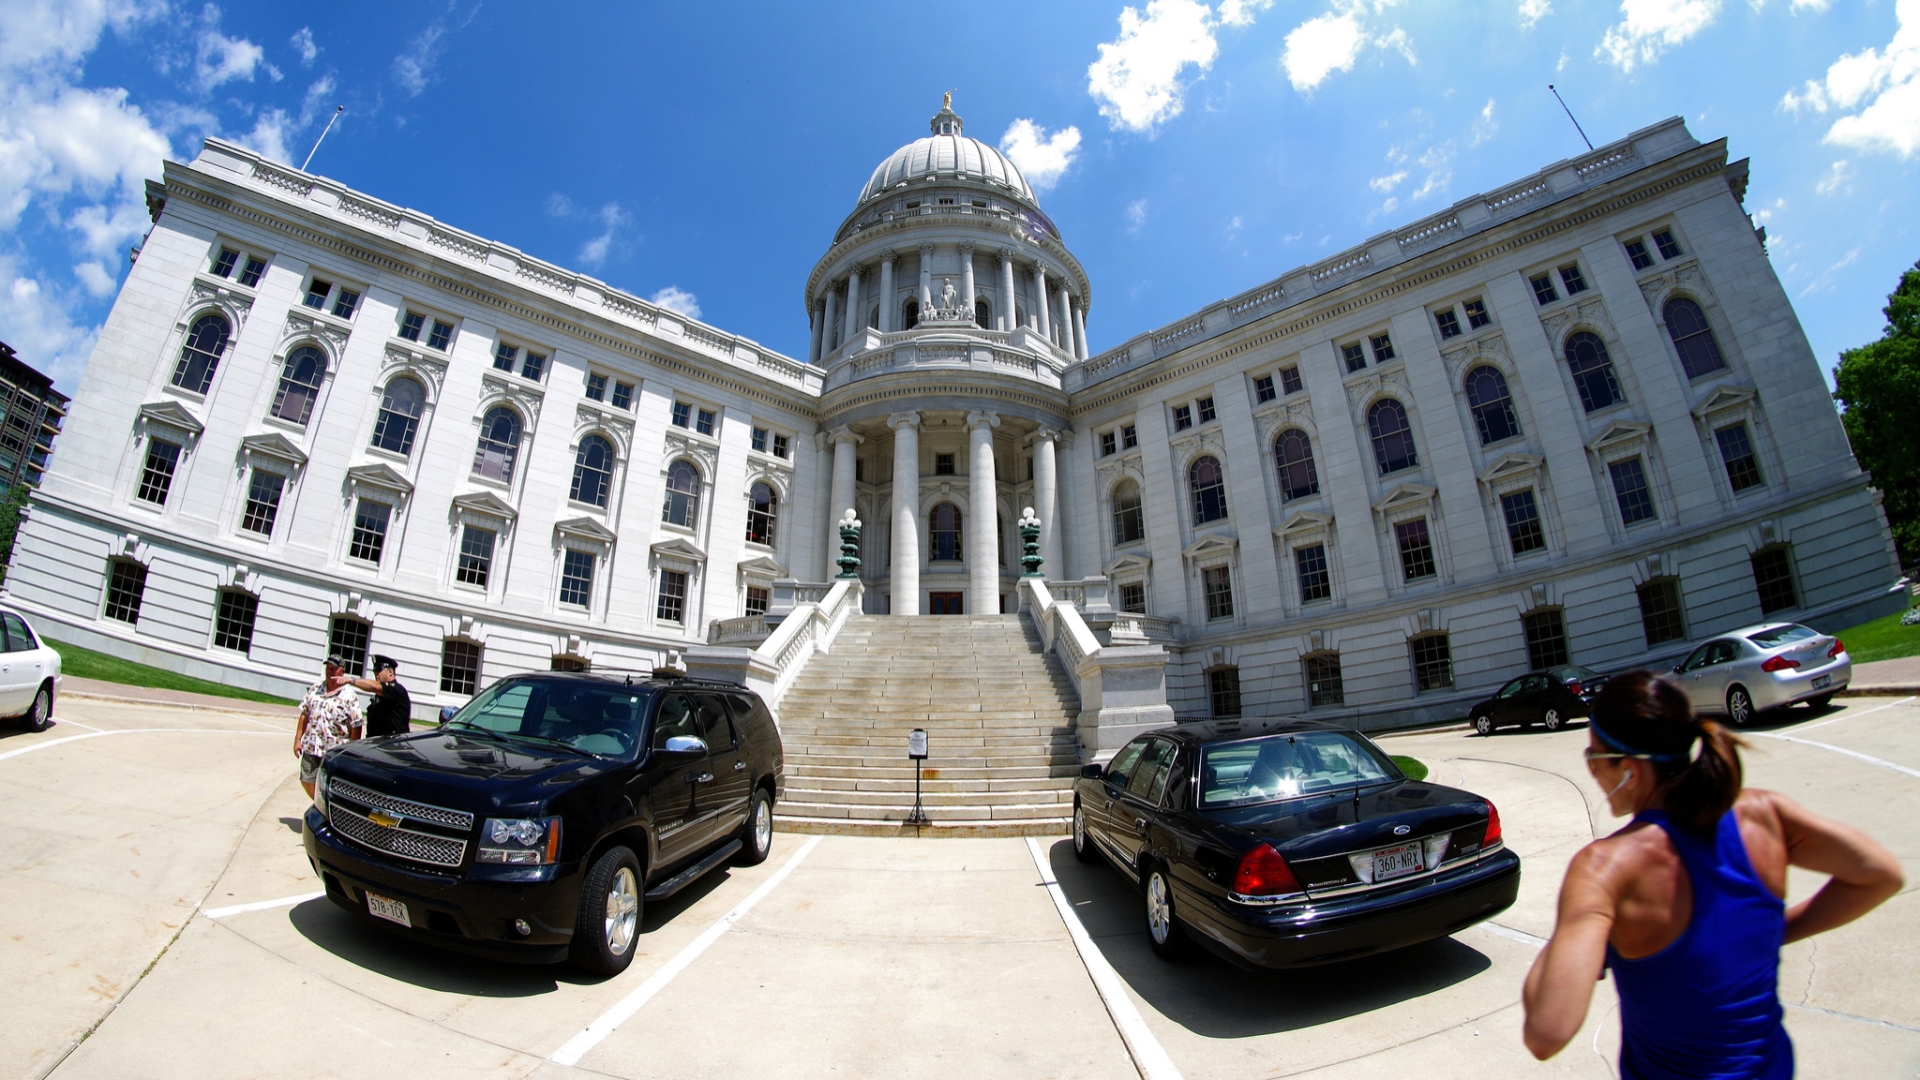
(607, 931)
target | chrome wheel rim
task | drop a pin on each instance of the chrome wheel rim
(623, 911)
(1079, 829)
(1551, 719)
(762, 827)
(40, 706)
(1483, 725)
(1159, 908)
(1739, 706)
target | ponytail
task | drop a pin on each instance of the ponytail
(1642, 714)
(1698, 792)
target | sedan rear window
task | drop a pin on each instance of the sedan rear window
(1777, 636)
(593, 718)
(1285, 766)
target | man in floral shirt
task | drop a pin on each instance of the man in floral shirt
(328, 718)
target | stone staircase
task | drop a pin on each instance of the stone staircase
(998, 712)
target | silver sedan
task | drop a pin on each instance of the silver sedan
(1763, 667)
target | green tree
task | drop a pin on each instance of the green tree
(11, 505)
(1880, 386)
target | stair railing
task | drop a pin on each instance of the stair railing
(1122, 688)
(771, 668)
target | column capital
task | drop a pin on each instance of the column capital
(981, 419)
(1039, 271)
(903, 419)
(1045, 434)
(1006, 255)
(890, 257)
(844, 434)
(926, 250)
(966, 247)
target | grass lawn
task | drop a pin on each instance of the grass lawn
(1413, 767)
(1881, 639)
(87, 664)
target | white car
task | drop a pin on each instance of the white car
(1763, 667)
(29, 673)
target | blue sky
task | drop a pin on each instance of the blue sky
(703, 154)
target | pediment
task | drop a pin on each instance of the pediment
(585, 528)
(762, 566)
(1305, 521)
(1403, 497)
(172, 414)
(380, 475)
(1724, 397)
(679, 548)
(1619, 433)
(486, 504)
(1129, 564)
(1212, 544)
(274, 445)
(1511, 466)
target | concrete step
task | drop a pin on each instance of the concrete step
(1012, 812)
(904, 772)
(976, 803)
(1063, 759)
(941, 785)
(971, 830)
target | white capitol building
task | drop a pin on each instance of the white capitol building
(1571, 419)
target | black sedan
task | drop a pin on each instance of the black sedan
(1287, 843)
(1550, 697)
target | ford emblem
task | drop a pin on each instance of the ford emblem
(1398, 830)
(386, 820)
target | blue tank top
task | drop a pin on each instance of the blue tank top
(1707, 1006)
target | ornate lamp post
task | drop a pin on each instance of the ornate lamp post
(1029, 526)
(849, 559)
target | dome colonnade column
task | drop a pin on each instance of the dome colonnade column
(905, 587)
(841, 495)
(1046, 498)
(983, 531)
(819, 332)
(853, 305)
(1008, 302)
(886, 294)
(966, 277)
(833, 314)
(1040, 321)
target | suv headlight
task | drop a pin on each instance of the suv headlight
(320, 789)
(521, 841)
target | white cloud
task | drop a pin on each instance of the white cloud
(54, 34)
(1137, 79)
(1321, 46)
(1825, 281)
(220, 59)
(1136, 214)
(1385, 184)
(559, 205)
(595, 251)
(269, 136)
(303, 44)
(1835, 180)
(1432, 162)
(1815, 6)
(675, 298)
(316, 100)
(1649, 27)
(1241, 12)
(94, 277)
(1041, 157)
(41, 327)
(58, 140)
(1532, 11)
(1883, 85)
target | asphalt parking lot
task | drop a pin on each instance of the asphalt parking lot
(161, 921)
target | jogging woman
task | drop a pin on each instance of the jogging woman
(1686, 904)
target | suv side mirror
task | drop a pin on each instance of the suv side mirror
(685, 745)
(1092, 772)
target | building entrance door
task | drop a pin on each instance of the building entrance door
(945, 603)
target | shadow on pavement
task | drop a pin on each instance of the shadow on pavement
(1790, 716)
(1212, 998)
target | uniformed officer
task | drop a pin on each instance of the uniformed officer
(392, 710)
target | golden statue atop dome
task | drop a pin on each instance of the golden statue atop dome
(947, 103)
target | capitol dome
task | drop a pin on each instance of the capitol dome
(948, 154)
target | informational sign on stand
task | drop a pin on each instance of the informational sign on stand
(917, 744)
(917, 750)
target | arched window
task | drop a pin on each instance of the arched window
(873, 317)
(763, 507)
(945, 532)
(1392, 437)
(909, 314)
(300, 381)
(1129, 522)
(1293, 454)
(1209, 490)
(593, 471)
(1692, 337)
(982, 314)
(200, 355)
(499, 444)
(400, 409)
(683, 495)
(1491, 404)
(1592, 371)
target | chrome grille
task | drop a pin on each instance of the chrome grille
(452, 819)
(406, 843)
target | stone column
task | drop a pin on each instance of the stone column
(906, 512)
(1079, 331)
(840, 498)
(1064, 324)
(983, 526)
(926, 279)
(966, 278)
(886, 297)
(830, 324)
(818, 316)
(1046, 501)
(1009, 306)
(1040, 320)
(855, 318)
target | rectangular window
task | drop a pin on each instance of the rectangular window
(475, 565)
(780, 446)
(760, 439)
(1736, 449)
(1669, 247)
(758, 600)
(250, 274)
(370, 520)
(1310, 562)
(1546, 638)
(859, 470)
(1543, 292)
(317, 291)
(673, 597)
(622, 395)
(1637, 253)
(1182, 418)
(1523, 522)
(1773, 577)
(459, 666)
(1660, 611)
(1323, 680)
(1382, 347)
(1570, 277)
(1448, 322)
(411, 324)
(441, 335)
(1263, 389)
(1223, 691)
(943, 464)
(263, 502)
(1432, 662)
(504, 355)
(1354, 355)
(223, 263)
(344, 301)
(156, 477)
(1476, 310)
(1133, 597)
(596, 386)
(1109, 443)
(233, 620)
(1631, 492)
(703, 421)
(1290, 380)
(1129, 438)
(347, 639)
(1205, 408)
(1416, 549)
(1218, 581)
(682, 414)
(534, 366)
(126, 588)
(576, 578)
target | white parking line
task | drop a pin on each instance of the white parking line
(1148, 1055)
(259, 905)
(577, 1047)
(1511, 934)
(1854, 715)
(1915, 773)
(134, 731)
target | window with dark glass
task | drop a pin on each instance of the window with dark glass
(1637, 254)
(1133, 597)
(347, 639)
(1546, 632)
(1477, 316)
(943, 464)
(1592, 370)
(1491, 405)
(223, 263)
(400, 407)
(1736, 450)
(759, 599)
(1204, 406)
(1432, 662)
(504, 356)
(250, 274)
(762, 511)
(411, 324)
(592, 471)
(1448, 322)
(683, 495)
(1182, 417)
(1290, 380)
(569, 663)
(475, 564)
(1669, 247)
(1129, 437)
(1630, 491)
(441, 336)
(982, 314)
(1310, 564)
(1263, 389)
(1570, 277)
(534, 365)
(1543, 291)
(1129, 521)
(1773, 578)
(300, 379)
(576, 577)
(156, 476)
(370, 520)
(1322, 672)
(344, 301)
(672, 606)
(910, 314)
(1209, 486)
(1223, 691)
(1660, 611)
(703, 421)
(1109, 443)
(499, 444)
(200, 354)
(233, 620)
(682, 414)
(1416, 549)
(1293, 456)
(758, 439)
(1354, 356)
(1382, 345)
(943, 530)
(1523, 522)
(263, 501)
(1692, 337)
(1392, 437)
(622, 395)
(779, 445)
(317, 291)
(459, 666)
(126, 590)
(1218, 584)
(596, 386)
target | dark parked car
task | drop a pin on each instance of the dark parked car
(536, 822)
(1550, 697)
(1285, 843)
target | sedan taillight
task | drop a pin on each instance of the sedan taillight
(1493, 828)
(1779, 663)
(1264, 872)
(1574, 687)
(1838, 648)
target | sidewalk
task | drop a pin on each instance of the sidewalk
(1897, 677)
(100, 690)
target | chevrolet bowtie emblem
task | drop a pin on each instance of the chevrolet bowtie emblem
(382, 818)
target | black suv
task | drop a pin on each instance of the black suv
(537, 820)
